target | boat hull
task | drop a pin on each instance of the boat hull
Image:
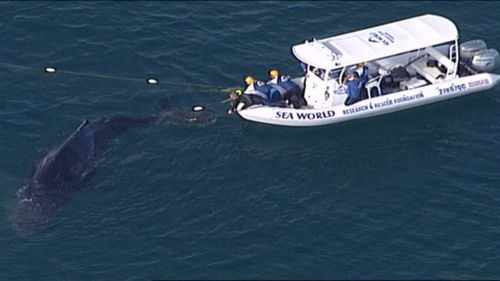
(373, 106)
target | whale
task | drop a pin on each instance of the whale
(63, 171)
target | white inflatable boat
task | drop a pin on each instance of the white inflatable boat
(410, 63)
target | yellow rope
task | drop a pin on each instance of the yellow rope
(200, 87)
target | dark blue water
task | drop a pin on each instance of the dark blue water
(410, 195)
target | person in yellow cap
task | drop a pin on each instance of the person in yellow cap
(249, 80)
(267, 92)
(292, 93)
(274, 73)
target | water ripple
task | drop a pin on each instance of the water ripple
(410, 194)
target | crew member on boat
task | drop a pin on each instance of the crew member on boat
(362, 70)
(240, 101)
(353, 83)
(268, 93)
(293, 95)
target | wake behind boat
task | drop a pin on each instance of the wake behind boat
(390, 67)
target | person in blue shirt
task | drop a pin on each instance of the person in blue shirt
(362, 71)
(267, 92)
(353, 83)
(303, 66)
(293, 95)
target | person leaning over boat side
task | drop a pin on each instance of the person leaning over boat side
(267, 92)
(293, 94)
(240, 101)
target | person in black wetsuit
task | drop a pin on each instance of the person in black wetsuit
(240, 101)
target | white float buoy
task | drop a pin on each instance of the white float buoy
(152, 81)
(197, 108)
(49, 69)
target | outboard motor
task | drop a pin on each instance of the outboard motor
(476, 56)
(485, 60)
(470, 48)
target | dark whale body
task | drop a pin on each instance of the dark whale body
(61, 172)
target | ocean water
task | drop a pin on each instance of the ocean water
(411, 195)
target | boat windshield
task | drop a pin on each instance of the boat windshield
(319, 72)
(334, 74)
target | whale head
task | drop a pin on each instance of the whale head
(34, 208)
